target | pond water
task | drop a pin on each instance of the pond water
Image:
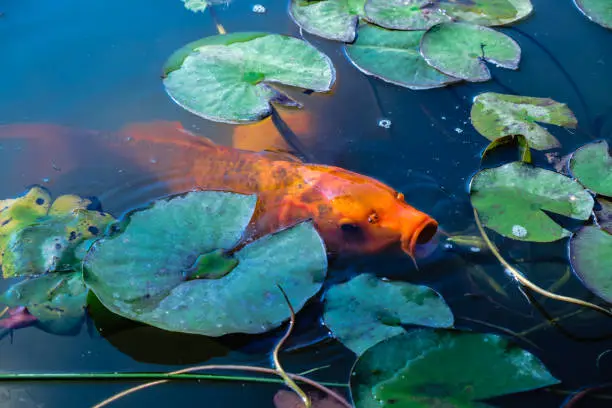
(74, 73)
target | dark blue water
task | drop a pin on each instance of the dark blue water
(96, 65)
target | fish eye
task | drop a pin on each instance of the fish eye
(373, 218)
(399, 196)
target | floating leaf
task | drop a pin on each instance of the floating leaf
(598, 11)
(444, 368)
(520, 141)
(604, 214)
(591, 258)
(146, 272)
(366, 310)
(331, 19)
(460, 49)
(488, 12)
(405, 14)
(393, 56)
(494, 115)
(228, 78)
(196, 5)
(511, 200)
(591, 165)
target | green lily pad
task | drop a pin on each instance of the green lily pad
(598, 11)
(604, 214)
(494, 115)
(57, 300)
(511, 200)
(520, 141)
(405, 14)
(461, 49)
(444, 368)
(151, 271)
(394, 57)
(331, 19)
(488, 12)
(591, 165)
(229, 78)
(366, 310)
(590, 251)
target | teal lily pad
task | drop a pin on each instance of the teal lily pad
(488, 12)
(444, 368)
(405, 14)
(57, 300)
(598, 11)
(591, 165)
(495, 115)
(202, 5)
(152, 270)
(461, 49)
(394, 57)
(331, 19)
(511, 200)
(590, 251)
(229, 78)
(366, 310)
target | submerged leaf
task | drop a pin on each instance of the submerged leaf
(393, 56)
(229, 78)
(444, 368)
(604, 214)
(598, 11)
(366, 310)
(461, 49)
(289, 399)
(591, 165)
(494, 115)
(591, 259)
(146, 272)
(331, 19)
(520, 141)
(511, 200)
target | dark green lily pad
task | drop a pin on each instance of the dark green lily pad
(57, 300)
(494, 115)
(405, 14)
(591, 258)
(229, 78)
(511, 198)
(461, 49)
(366, 310)
(598, 11)
(444, 368)
(591, 165)
(394, 57)
(604, 214)
(150, 271)
(331, 19)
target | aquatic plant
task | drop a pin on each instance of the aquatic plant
(598, 11)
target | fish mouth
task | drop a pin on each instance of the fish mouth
(422, 234)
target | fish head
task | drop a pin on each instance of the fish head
(364, 215)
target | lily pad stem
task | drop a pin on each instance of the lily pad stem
(526, 282)
(213, 15)
(3, 312)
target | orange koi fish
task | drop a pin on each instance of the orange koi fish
(352, 212)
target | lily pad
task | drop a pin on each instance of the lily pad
(366, 310)
(444, 368)
(494, 115)
(591, 165)
(520, 141)
(598, 11)
(590, 252)
(146, 272)
(461, 49)
(511, 200)
(405, 14)
(228, 78)
(202, 5)
(394, 57)
(17, 213)
(331, 19)
(604, 214)
(488, 12)
(57, 300)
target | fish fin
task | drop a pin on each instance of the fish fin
(164, 131)
(279, 154)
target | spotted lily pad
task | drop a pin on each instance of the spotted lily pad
(151, 270)
(366, 310)
(591, 165)
(405, 14)
(461, 49)
(444, 368)
(495, 115)
(331, 19)
(229, 78)
(394, 57)
(598, 11)
(511, 200)
(591, 258)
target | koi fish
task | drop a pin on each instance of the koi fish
(352, 212)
